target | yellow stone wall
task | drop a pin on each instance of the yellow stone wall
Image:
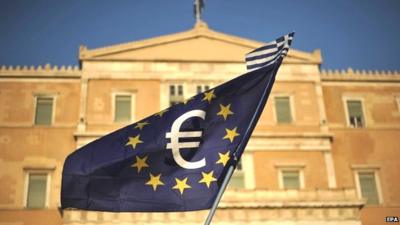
(25, 147)
(99, 107)
(374, 147)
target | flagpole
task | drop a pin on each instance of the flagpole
(219, 195)
(197, 11)
(242, 144)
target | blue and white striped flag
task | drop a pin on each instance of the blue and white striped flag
(269, 53)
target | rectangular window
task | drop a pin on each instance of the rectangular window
(355, 113)
(237, 179)
(176, 95)
(283, 111)
(202, 88)
(172, 90)
(44, 110)
(368, 187)
(239, 165)
(37, 191)
(180, 90)
(123, 106)
(291, 179)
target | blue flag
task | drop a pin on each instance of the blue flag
(174, 160)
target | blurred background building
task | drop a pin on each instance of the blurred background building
(325, 150)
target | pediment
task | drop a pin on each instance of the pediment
(199, 44)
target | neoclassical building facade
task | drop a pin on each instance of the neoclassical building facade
(325, 150)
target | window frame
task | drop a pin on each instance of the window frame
(368, 169)
(53, 109)
(299, 168)
(27, 173)
(113, 106)
(247, 161)
(202, 87)
(176, 88)
(246, 173)
(189, 89)
(291, 105)
(239, 174)
(354, 98)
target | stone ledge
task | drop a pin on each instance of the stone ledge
(328, 206)
(359, 75)
(39, 71)
(291, 198)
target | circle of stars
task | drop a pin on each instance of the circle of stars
(181, 185)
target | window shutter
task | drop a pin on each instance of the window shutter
(180, 90)
(172, 90)
(37, 191)
(368, 187)
(283, 112)
(122, 108)
(291, 179)
(44, 110)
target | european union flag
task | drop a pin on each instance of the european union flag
(174, 160)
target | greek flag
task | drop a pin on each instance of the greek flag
(269, 53)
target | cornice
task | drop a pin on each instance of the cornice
(319, 198)
(199, 30)
(46, 71)
(360, 75)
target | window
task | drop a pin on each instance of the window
(355, 113)
(291, 176)
(123, 108)
(237, 179)
(398, 102)
(202, 88)
(175, 94)
(239, 166)
(290, 179)
(37, 190)
(368, 187)
(44, 110)
(283, 111)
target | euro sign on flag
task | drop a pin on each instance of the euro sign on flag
(174, 160)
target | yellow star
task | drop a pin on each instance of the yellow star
(140, 125)
(155, 181)
(181, 185)
(231, 134)
(161, 113)
(225, 111)
(207, 178)
(134, 141)
(223, 158)
(140, 163)
(209, 96)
